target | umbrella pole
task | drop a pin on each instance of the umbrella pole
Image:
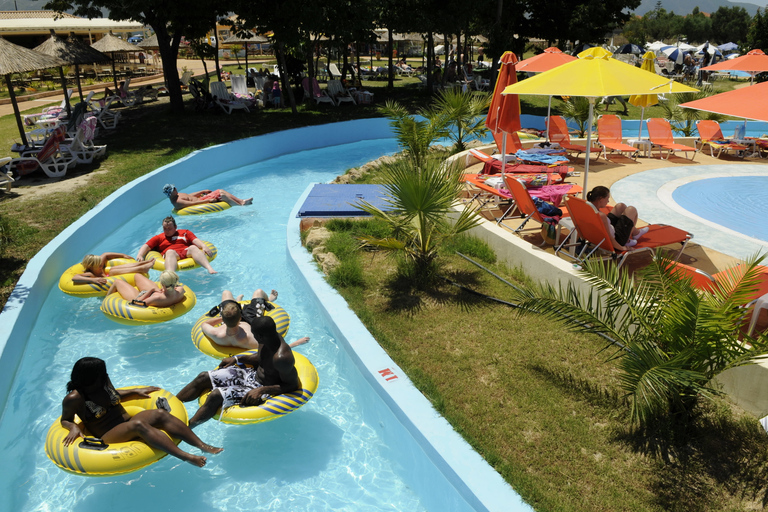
(66, 96)
(114, 75)
(549, 109)
(640, 129)
(504, 154)
(16, 110)
(589, 145)
(77, 78)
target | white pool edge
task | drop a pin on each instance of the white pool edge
(480, 485)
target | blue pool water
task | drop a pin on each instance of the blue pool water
(735, 202)
(329, 455)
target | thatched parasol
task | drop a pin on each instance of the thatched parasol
(71, 51)
(112, 44)
(150, 43)
(17, 59)
(249, 38)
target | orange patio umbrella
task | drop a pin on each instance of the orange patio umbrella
(747, 102)
(504, 113)
(755, 61)
(551, 58)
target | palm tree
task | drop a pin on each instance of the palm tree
(420, 201)
(577, 108)
(669, 338)
(683, 120)
(462, 112)
(413, 135)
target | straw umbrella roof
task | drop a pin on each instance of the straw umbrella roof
(111, 44)
(251, 38)
(150, 42)
(71, 50)
(17, 59)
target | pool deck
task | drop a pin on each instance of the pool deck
(647, 183)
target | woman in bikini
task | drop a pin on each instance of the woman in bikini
(96, 270)
(167, 293)
(91, 395)
(620, 223)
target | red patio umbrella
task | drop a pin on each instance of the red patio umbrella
(504, 113)
(755, 61)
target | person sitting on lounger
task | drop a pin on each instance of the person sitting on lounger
(182, 200)
(92, 397)
(96, 270)
(235, 331)
(149, 293)
(620, 223)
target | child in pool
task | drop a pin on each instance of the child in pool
(96, 270)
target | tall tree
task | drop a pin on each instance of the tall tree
(757, 36)
(170, 19)
(730, 24)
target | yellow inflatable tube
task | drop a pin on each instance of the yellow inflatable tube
(123, 312)
(185, 264)
(97, 459)
(210, 348)
(276, 406)
(200, 209)
(92, 289)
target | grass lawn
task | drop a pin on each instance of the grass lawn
(540, 404)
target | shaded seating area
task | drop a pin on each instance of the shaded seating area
(226, 101)
(592, 237)
(558, 133)
(710, 135)
(609, 136)
(660, 134)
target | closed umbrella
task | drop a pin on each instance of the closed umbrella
(645, 100)
(504, 112)
(594, 74)
(17, 59)
(754, 62)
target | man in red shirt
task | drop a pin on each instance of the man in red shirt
(176, 244)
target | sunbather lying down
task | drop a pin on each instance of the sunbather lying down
(182, 200)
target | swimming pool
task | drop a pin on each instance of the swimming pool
(345, 450)
(734, 202)
(654, 192)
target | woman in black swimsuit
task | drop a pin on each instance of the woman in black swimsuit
(94, 399)
(620, 223)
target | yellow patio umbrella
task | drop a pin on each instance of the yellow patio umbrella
(593, 75)
(645, 100)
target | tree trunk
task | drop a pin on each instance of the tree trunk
(169, 51)
(287, 89)
(430, 61)
(391, 80)
(216, 51)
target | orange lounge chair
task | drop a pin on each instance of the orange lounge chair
(609, 136)
(709, 282)
(591, 229)
(525, 205)
(660, 133)
(711, 135)
(558, 132)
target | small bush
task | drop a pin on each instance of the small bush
(348, 273)
(343, 245)
(472, 247)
